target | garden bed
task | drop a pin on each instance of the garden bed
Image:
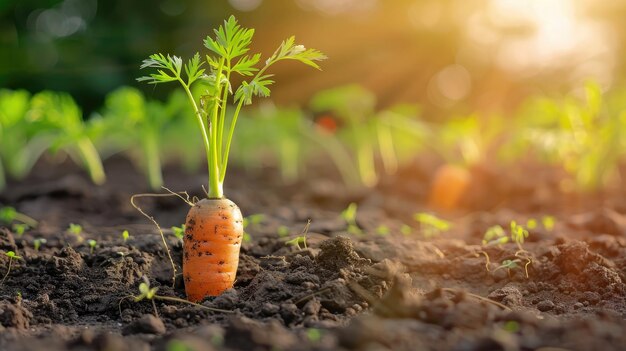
(369, 291)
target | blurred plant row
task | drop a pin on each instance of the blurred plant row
(583, 134)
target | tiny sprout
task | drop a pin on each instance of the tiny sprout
(38, 242)
(148, 293)
(246, 237)
(9, 214)
(548, 222)
(314, 335)
(531, 224)
(12, 256)
(297, 241)
(179, 232)
(125, 235)
(495, 235)
(431, 225)
(77, 230)
(349, 215)
(406, 229)
(382, 230)
(511, 326)
(145, 291)
(518, 233)
(177, 345)
(283, 231)
(300, 239)
(253, 219)
(92, 245)
(508, 265)
(20, 228)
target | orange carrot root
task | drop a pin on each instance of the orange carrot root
(448, 187)
(213, 235)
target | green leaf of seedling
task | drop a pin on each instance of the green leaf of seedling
(7, 214)
(179, 232)
(246, 237)
(511, 326)
(314, 335)
(382, 230)
(75, 229)
(125, 235)
(297, 241)
(253, 219)
(531, 223)
(19, 228)
(145, 292)
(548, 223)
(518, 233)
(283, 231)
(406, 229)
(38, 242)
(12, 255)
(349, 214)
(495, 235)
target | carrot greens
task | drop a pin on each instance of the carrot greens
(228, 56)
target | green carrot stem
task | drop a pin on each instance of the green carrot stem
(215, 186)
(152, 159)
(222, 119)
(229, 140)
(92, 160)
(198, 113)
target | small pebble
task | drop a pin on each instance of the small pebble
(545, 305)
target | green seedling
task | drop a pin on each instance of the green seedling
(138, 127)
(148, 293)
(382, 230)
(57, 115)
(282, 231)
(349, 215)
(253, 219)
(19, 228)
(508, 265)
(518, 234)
(495, 235)
(511, 326)
(531, 223)
(8, 215)
(406, 229)
(431, 225)
(12, 256)
(229, 56)
(548, 223)
(76, 230)
(92, 245)
(125, 235)
(179, 232)
(314, 335)
(21, 142)
(300, 239)
(38, 242)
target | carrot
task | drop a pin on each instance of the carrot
(448, 187)
(214, 227)
(213, 234)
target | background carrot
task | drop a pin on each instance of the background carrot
(213, 234)
(449, 184)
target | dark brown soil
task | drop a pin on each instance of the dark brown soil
(342, 292)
